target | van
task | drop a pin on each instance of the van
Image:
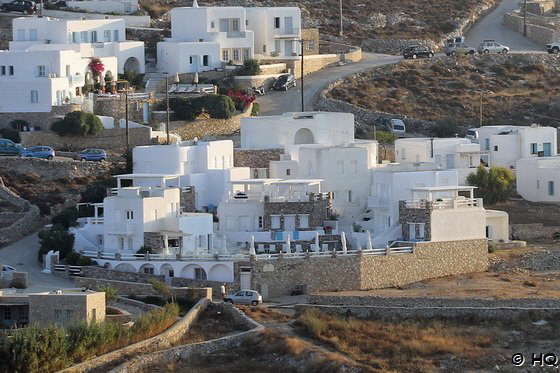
(8, 147)
(472, 134)
(396, 127)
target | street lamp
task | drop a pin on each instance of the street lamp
(125, 91)
(525, 18)
(175, 80)
(340, 14)
(301, 72)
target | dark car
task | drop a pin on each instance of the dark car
(92, 154)
(284, 82)
(417, 51)
(26, 7)
(8, 147)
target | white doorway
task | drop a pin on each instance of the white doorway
(288, 47)
(245, 278)
(289, 25)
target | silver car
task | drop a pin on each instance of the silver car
(453, 49)
(492, 46)
(251, 297)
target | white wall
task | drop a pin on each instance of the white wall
(262, 21)
(184, 57)
(497, 223)
(105, 6)
(447, 152)
(538, 179)
(458, 224)
(234, 214)
(279, 130)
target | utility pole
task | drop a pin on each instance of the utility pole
(432, 147)
(340, 11)
(301, 68)
(126, 121)
(525, 18)
(167, 107)
(480, 112)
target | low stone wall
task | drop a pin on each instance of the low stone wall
(5, 38)
(538, 33)
(29, 218)
(200, 128)
(116, 108)
(244, 82)
(51, 170)
(186, 352)
(113, 138)
(212, 286)
(111, 274)
(533, 231)
(430, 259)
(382, 312)
(275, 68)
(159, 342)
(41, 120)
(255, 158)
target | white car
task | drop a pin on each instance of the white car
(472, 134)
(492, 46)
(7, 268)
(251, 297)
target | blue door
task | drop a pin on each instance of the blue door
(547, 148)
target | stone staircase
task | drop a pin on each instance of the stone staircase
(155, 82)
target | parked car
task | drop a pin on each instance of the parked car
(452, 49)
(6, 268)
(8, 147)
(44, 152)
(416, 51)
(553, 48)
(251, 297)
(492, 46)
(26, 7)
(91, 154)
(472, 134)
(284, 82)
(394, 125)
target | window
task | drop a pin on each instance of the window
(20, 35)
(33, 34)
(199, 274)
(2, 70)
(69, 314)
(10, 70)
(94, 36)
(149, 270)
(354, 167)
(403, 154)
(7, 313)
(288, 172)
(83, 36)
(225, 54)
(421, 230)
(41, 70)
(487, 144)
(260, 221)
(75, 38)
(264, 48)
(246, 54)
(116, 35)
(534, 148)
(205, 60)
(94, 315)
(275, 222)
(350, 196)
(236, 54)
(107, 36)
(340, 167)
(551, 188)
(212, 24)
(311, 45)
(57, 314)
(495, 148)
(276, 22)
(304, 221)
(235, 24)
(130, 215)
(190, 60)
(34, 97)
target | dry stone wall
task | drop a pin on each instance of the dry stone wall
(111, 274)
(25, 222)
(533, 231)
(40, 121)
(255, 158)
(538, 33)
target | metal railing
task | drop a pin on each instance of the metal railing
(72, 270)
(445, 203)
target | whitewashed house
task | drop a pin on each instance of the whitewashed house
(105, 6)
(318, 145)
(48, 60)
(207, 38)
(205, 166)
(447, 153)
(538, 179)
(507, 144)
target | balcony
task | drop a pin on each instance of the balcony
(126, 228)
(286, 32)
(445, 203)
(236, 34)
(376, 201)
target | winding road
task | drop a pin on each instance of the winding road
(489, 27)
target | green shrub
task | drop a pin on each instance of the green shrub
(494, 185)
(11, 134)
(111, 292)
(56, 238)
(255, 109)
(217, 106)
(67, 217)
(445, 128)
(250, 66)
(78, 123)
(76, 259)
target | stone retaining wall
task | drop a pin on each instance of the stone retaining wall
(40, 120)
(29, 219)
(159, 342)
(538, 33)
(266, 80)
(533, 231)
(52, 170)
(112, 138)
(436, 312)
(186, 352)
(116, 108)
(111, 274)
(255, 158)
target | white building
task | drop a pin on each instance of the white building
(145, 214)
(105, 6)
(447, 153)
(206, 38)
(506, 144)
(318, 145)
(538, 179)
(206, 166)
(48, 60)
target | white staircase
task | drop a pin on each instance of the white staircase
(154, 82)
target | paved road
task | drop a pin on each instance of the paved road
(278, 102)
(491, 27)
(23, 256)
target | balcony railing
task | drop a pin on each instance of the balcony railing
(446, 203)
(236, 34)
(286, 32)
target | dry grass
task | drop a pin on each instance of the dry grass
(264, 314)
(403, 346)
(519, 89)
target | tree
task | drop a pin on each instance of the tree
(385, 140)
(78, 123)
(56, 238)
(67, 217)
(162, 288)
(11, 134)
(445, 128)
(251, 66)
(494, 185)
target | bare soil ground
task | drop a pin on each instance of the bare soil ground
(520, 89)
(525, 212)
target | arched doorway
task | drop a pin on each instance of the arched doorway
(194, 271)
(148, 269)
(132, 64)
(125, 267)
(220, 272)
(304, 136)
(167, 271)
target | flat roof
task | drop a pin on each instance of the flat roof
(147, 176)
(276, 181)
(442, 188)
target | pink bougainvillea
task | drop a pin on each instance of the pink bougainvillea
(240, 99)
(96, 66)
